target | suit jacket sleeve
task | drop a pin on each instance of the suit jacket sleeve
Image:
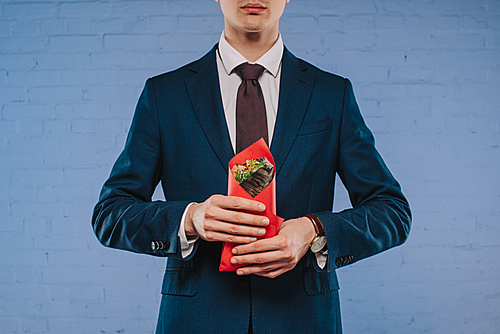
(125, 217)
(380, 217)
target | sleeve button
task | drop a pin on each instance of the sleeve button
(153, 247)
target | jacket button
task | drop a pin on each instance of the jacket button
(161, 245)
(153, 247)
(166, 245)
(157, 245)
(338, 262)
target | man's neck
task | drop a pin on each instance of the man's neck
(252, 46)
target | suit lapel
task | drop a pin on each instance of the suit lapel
(204, 92)
(295, 92)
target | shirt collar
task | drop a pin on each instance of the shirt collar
(231, 58)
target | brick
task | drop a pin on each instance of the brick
(86, 77)
(469, 6)
(84, 293)
(350, 41)
(114, 294)
(72, 276)
(62, 61)
(297, 24)
(28, 127)
(30, 277)
(419, 39)
(4, 27)
(6, 277)
(22, 44)
(298, 41)
(420, 23)
(133, 77)
(76, 26)
(65, 309)
(54, 94)
(122, 26)
(493, 41)
(130, 42)
(17, 62)
(66, 243)
(388, 21)
(110, 126)
(85, 9)
(199, 24)
(7, 127)
(340, 7)
(52, 26)
(75, 44)
(362, 22)
(161, 23)
(15, 96)
(465, 41)
(24, 27)
(155, 62)
(34, 325)
(109, 93)
(334, 23)
(9, 325)
(55, 127)
(132, 8)
(35, 78)
(61, 325)
(472, 23)
(187, 42)
(447, 22)
(38, 293)
(32, 10)
(377, 74)
(83, 126)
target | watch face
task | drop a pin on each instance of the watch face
(318, 244)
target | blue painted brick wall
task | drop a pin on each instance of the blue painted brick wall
(427, 78)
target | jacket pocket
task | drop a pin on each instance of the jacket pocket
(180, 282)
(315, 127)
(319, 282)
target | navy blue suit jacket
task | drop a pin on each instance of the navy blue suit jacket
(179, 137)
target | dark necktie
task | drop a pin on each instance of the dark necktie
(251, 121)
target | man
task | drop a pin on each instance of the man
(184, 132)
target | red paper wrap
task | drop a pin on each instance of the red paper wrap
(267, 196)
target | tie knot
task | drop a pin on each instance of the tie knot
(249, 71)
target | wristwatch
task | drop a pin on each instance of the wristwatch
(319, 242)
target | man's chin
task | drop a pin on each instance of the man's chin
(253, 24)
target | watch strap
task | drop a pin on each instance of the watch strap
(318, 226)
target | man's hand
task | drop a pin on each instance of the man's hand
(219, 218)
(275, 256)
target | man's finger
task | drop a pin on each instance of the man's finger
(270, 270)
(237, 203)
(263, 245)
(216, 213)
(233, 229)
(218, 236)
(258, 258)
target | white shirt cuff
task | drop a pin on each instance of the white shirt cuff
(321, 258)
(187, 244)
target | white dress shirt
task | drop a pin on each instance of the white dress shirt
(228, 58)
